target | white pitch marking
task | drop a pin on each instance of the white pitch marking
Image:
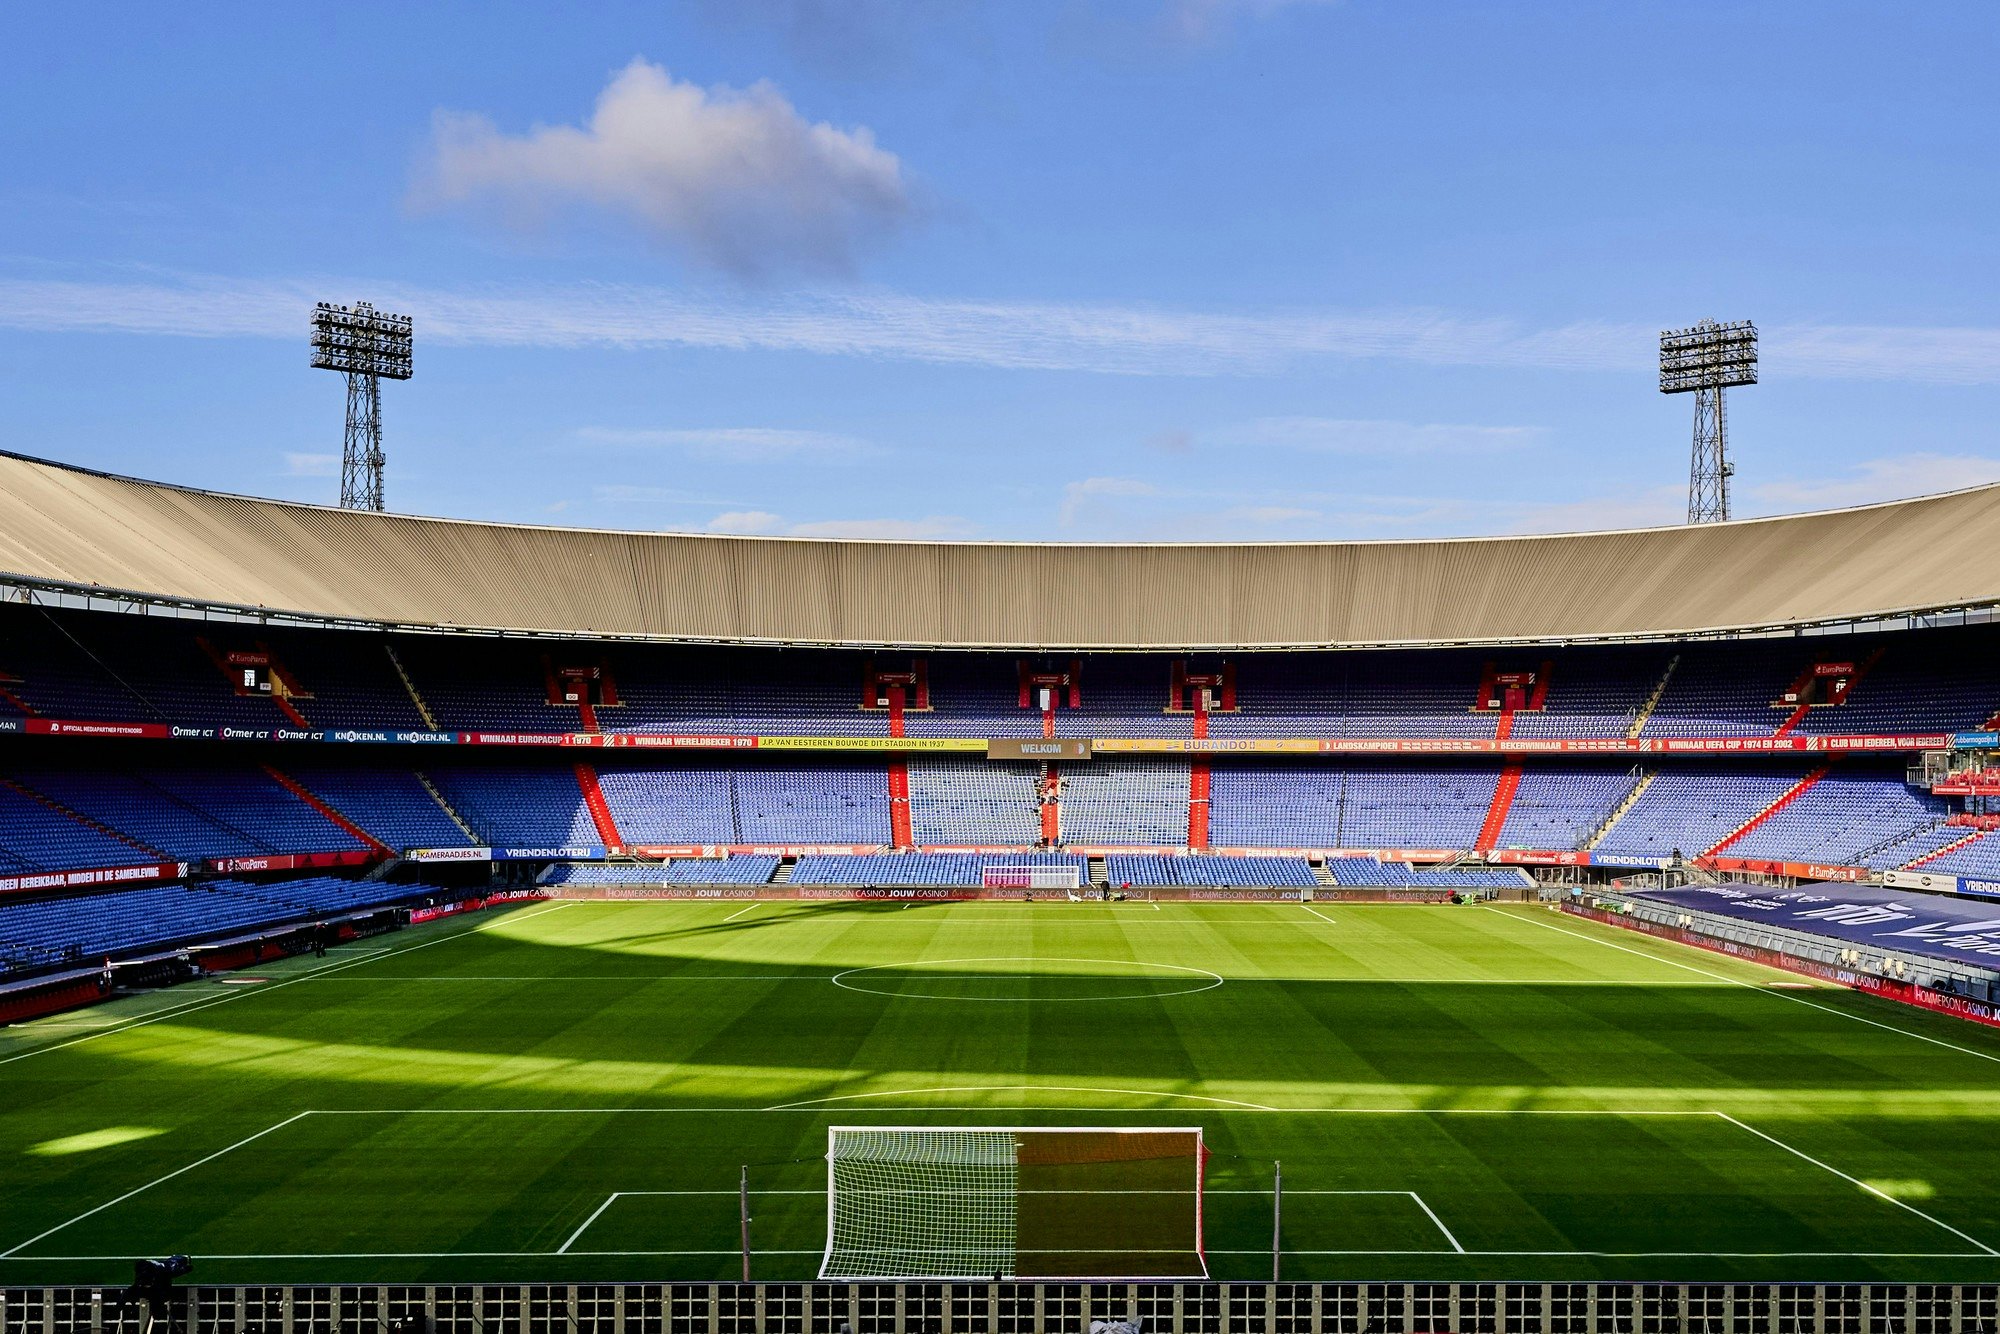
(748, 907)
(1317, 913)
(278, 986)
(1752, 986)
(595, 1214)
(1879, 1194)
(1435, 1219)
(137, 1190)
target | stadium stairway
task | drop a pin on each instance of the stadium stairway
(1626, 802)
(1640, 719)
(1323, 873)
(138, 848)
(1786, 798)
(781, 874)
(1100, 873)
(444, 805)
(1496, 813)
(423, 711)
(1953, 846)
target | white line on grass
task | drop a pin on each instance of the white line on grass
(1646, 1255)
(1432, 1213)
(1317, 913)
(1751, 986)
(748, 907)
(138, 1190)
(1878, 1194)
(595, 1214)
(277, 986)
(566, 979)
(573, 1255)
(414, 1255)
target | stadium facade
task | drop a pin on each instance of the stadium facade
(356, 708)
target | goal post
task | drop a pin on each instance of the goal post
(1020, 1202)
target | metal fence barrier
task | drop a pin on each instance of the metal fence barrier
(1018, 1308)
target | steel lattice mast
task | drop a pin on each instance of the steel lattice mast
(368, 346)
(1704, 360)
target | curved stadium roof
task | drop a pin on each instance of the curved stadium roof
(71, 530)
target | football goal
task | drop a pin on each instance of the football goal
(975, 1202)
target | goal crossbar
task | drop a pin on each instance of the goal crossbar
(1019, 1202)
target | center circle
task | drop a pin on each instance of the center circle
(966, 980)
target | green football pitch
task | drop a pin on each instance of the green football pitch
(569, 1091)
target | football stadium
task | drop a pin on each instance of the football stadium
(417, 923)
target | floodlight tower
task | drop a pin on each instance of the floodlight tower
(1704, 360)
(368, 346)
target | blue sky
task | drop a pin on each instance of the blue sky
(1159, 270)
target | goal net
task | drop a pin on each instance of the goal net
(1018, 1202)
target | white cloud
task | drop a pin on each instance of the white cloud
(1394, 438)
(743, 521)
(931, 528)
(1269, 515)
(1104, 339)
(1895, 478)
(735, 178)
(312, 465)
(1076, 495)
(737, 444)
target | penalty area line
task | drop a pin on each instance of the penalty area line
(140, 1190)
(1857, 1181)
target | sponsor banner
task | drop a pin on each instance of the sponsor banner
(581, 852)
(1907, 993)
(291, 861)
(1963, 931)
(836, 892)
(1366, 894)
(1796, 870)
(449, 855)
(1984, 889)
(882, 743)
(1833, 669)
(63, 727)
(395, 738)
(12, 724)
(473, 904)
(1038, 748)
(1524, 857)
(1976, 741)
(1924, 880)
(518, 738)
(96, 875)
(1730, 745)
(1615, 859)
(669, 741)
(1272, 894)
(808, 849)
(664, 852)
